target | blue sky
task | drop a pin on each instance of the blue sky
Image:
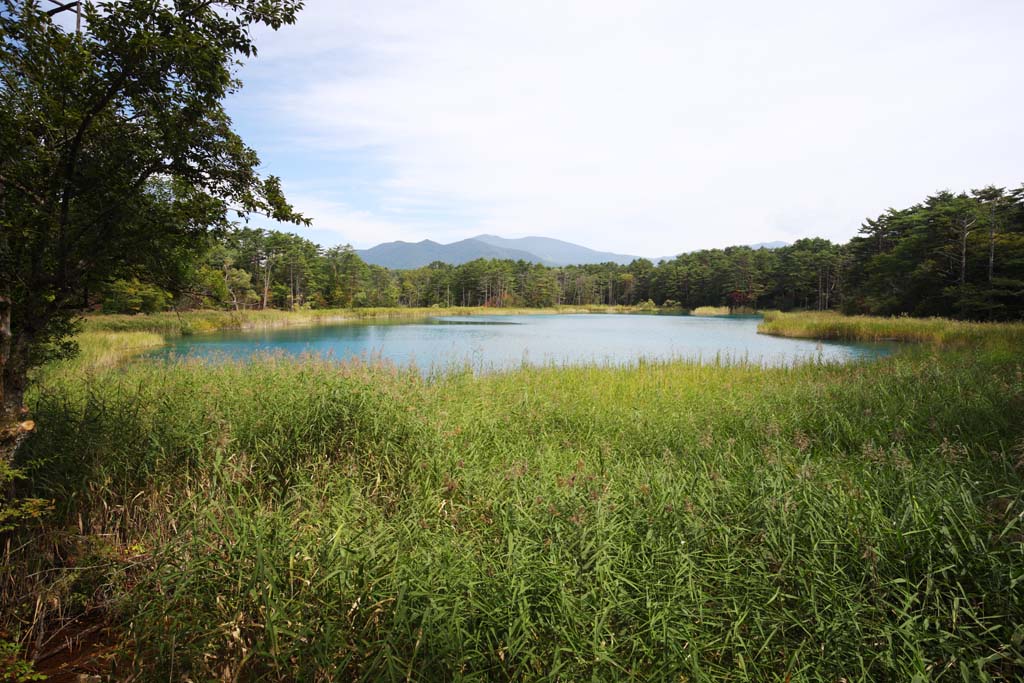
(642, 127)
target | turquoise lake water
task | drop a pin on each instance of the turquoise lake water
(497, 342)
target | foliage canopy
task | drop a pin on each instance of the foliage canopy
(116, 155)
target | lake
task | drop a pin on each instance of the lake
(495, 342)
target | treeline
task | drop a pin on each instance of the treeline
(958, 255)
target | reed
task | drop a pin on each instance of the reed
(711, 310)
(938, 331)
(296, 519)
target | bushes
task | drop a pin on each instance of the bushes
(132, 296)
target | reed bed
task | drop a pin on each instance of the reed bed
(306, 520)
(712, 310)
(938, 331)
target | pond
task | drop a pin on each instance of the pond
(495, 342)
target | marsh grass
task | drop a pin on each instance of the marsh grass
(306, 520)
(711, 310)
(724, 310)
(98, 350)
(938, 331)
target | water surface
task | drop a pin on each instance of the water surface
(501, 341)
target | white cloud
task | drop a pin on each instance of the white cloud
(648, 127)
(335, 222)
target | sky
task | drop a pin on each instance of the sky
(641, 127)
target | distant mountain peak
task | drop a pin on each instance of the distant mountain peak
(400, 255)
(557, 251)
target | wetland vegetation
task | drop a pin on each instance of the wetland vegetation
(314, 520)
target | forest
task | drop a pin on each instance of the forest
(954, 254)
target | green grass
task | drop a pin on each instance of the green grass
(939, 331)
(303, 520)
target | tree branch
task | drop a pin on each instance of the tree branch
(17, 185)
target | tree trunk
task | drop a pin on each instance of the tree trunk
(291, 282)
(12, 366)
(819, 288)
(965, 231)
(5, 346)
(14, 426)
(991, 243)
(266, 284)
(963, 259)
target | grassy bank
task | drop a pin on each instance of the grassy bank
(937, 331)
(196, 322)
(711, 310)
(723, 310)
(301, 520)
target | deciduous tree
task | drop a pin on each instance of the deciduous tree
(88, 122)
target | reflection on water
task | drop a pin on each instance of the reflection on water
(496, 342)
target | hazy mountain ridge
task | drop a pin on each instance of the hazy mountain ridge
(556, 251)
(404, 255)
(548, 251)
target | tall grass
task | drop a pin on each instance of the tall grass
(939, 331)
(712, 310)
(305, 520)
(724, 310)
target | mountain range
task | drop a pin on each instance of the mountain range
(545, 250)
